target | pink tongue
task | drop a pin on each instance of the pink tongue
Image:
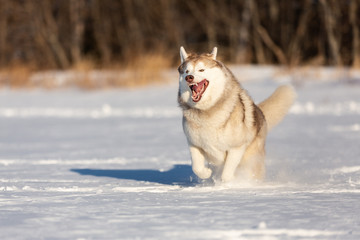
(198, 87)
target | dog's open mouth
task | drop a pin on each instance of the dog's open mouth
(198, 89)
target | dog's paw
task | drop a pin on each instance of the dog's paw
(203, 173)
(225, 178)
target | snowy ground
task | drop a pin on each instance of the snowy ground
(115, 165)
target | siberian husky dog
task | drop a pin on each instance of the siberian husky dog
(225, 129)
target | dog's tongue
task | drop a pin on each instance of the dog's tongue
(198, 89)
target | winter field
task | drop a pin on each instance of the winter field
(114, 164)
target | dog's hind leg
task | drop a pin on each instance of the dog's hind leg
(232, 161)
(252, 165)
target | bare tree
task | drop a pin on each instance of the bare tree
(47, 32)
(266, 38)
(259, 49)
(102, 30)
(294, 50)
(330, 26)
(77, 20)
(57, 34)
(353, 9)
(244, 32)
(4, 7)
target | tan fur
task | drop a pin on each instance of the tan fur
(276, 106)
(225, 128)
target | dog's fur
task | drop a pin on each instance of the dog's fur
(222, 124)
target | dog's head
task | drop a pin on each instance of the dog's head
(201, 80)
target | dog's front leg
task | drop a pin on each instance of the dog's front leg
(233, 159)
(198, 163)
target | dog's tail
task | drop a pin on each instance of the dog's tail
(276, 106)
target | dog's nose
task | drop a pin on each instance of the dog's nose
(189, 78)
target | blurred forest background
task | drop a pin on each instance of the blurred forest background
(139, 34)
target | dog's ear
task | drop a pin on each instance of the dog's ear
(183, 54)
(214, 53)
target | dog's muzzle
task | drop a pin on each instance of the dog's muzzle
(198, 89)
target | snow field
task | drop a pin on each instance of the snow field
(115, 165)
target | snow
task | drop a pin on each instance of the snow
(114, 164)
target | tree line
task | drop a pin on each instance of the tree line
(62, 33)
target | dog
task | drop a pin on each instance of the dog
(225, 129)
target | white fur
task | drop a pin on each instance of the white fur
(214, 53)
(214, 90)
(183, 54)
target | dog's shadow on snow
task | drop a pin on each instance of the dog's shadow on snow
(181, 175)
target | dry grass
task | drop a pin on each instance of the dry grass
(140, 71)
(16, 76)
(146, 70)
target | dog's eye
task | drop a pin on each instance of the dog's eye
(187, 71)
(201, 70)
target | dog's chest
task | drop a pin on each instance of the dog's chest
(219, 130)
(210, 137)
